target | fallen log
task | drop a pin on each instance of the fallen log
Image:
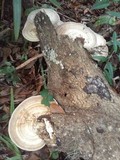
(90, 129)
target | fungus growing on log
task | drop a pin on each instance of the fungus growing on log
(92, 41)
(29, 30)
(90, 129)
(29, 126)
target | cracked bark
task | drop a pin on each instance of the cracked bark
(90, 129)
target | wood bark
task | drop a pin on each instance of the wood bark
(90, 129)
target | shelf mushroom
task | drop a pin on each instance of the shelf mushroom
(29, 30)
(93, 42)
(25, 127)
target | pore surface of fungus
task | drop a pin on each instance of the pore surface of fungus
(24, 128)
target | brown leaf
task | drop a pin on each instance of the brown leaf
(6, 109)
(55, 108)
(38, 83)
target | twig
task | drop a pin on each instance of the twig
(4, 31)
(29, 61)
(72, 19)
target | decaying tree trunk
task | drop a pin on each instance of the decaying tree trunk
(90, 129)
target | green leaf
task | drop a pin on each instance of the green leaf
(47, 97)
(101, 4)
(112, 21)
(100, 58)
(108, 78)
(7, 141)
(114, 41)
(115, 14)
(44, 93)
(9, 71)
(12, 107)
(54, 155)
(119, 57)
(116, 1)
(14, 158)
(24, 57)
(17, 17)
(109, 72)
(55, 3)
(4, 117)
(8, 63)
(106, 19)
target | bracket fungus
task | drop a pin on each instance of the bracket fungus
(29, 30)
(25, 126)
(93, 42)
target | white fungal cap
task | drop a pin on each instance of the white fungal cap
(77, 30)
(24, 126)
(29, 30)
(100, 40)
(92, 41)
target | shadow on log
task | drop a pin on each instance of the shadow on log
(90, 129)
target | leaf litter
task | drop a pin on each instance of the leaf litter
(20, 64)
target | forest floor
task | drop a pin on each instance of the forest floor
(20, 71)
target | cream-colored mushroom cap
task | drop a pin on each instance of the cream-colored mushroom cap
(78, 30)
(100, 40)
(23, 125)
(29, 30)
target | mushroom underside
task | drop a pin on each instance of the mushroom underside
(25, 128)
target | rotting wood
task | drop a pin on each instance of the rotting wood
(90, 129)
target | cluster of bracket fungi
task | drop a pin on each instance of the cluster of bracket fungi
(93, 42)
(24, 128)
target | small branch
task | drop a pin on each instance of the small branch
(29, 61)
(4, 31)
(71, 19)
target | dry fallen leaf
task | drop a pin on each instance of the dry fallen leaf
(55, 108)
